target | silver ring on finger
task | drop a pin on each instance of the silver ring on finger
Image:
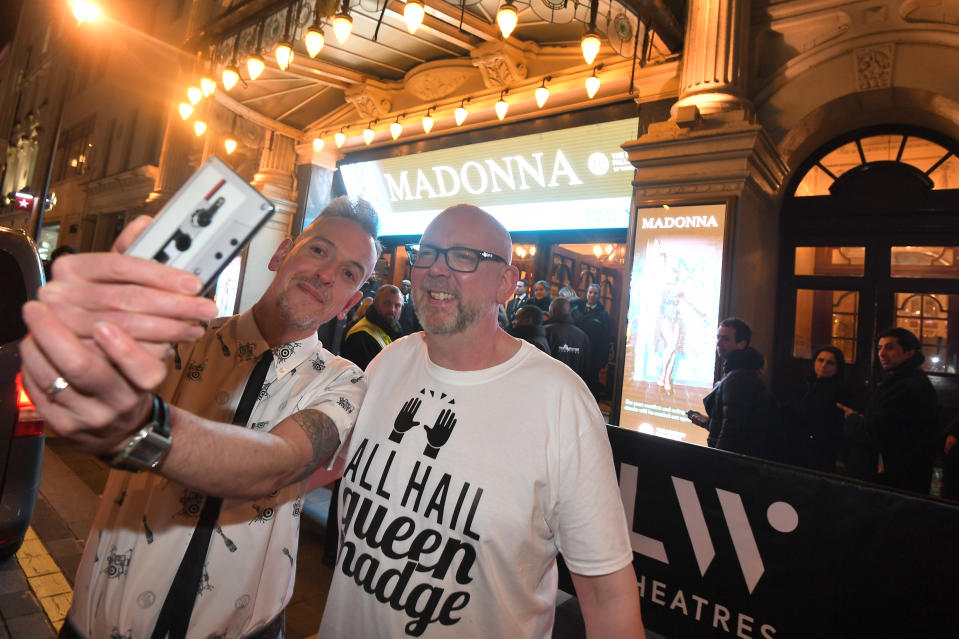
(57, 385)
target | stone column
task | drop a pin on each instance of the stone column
(714, 57)
(274, 179)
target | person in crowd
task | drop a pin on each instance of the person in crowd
(408, 322)
(58, 252)
(576, 303)
(594, 320)
(812, 426)
(376, 329)
(901, 420)
(567, 342)
(454, 503)
(246, 409)
(528, 325)
(520, 298)
(740, 408)
(541, 298)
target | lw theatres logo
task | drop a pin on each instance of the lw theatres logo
(780, 515)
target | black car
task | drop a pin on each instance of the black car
(21, 429)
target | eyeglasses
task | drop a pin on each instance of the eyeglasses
(458, 258)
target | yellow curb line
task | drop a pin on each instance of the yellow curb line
(45, 579)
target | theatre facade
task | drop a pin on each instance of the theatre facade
(791, 163)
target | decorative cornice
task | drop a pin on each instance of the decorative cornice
(501, 63)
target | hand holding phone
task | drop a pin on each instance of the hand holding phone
(697, 418)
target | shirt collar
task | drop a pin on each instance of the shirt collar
(286, 356)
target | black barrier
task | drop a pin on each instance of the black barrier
(730, 546)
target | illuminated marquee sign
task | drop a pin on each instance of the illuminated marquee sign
(569, 179)
(671, 320)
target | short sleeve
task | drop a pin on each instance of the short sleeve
(590, 525)
(337, 394)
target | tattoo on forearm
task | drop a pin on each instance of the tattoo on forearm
(322, 434)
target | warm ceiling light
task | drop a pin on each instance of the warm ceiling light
(284, 55)
(507, 18)
(542, 93)
(195, 94)
(318, 144)
(368, 134)
(460, 114)
(186, 110)
(314, 40)
(207, 86)
(230, 145)
(396, 128)
(413, 13)
(230, 77)
(501, 107)
(199, 127)
(340, 138)
(592, 85)
(255, 65)
(590, 45)
(85, 11)
(342, 27)
(428, 121)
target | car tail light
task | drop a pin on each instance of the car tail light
(29, 422)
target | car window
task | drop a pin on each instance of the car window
(14, 297)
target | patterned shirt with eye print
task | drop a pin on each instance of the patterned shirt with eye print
(145, 521)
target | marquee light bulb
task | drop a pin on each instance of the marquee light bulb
(284, 55)
(194, 94)
(542, 95)
(318, 144)
(230, 77)
(501, 108)
(230, 145)
(85, 11)
(427, 123)
(340, 138)
(342, 27)
(186, 110)
(395, 129)
(368, 135)
(413, 12)
(592, 86)
(199, 127)
(590, 45)
(507, 18)
(314, 40)
(460, 115)
(207, 86)
(255, 65)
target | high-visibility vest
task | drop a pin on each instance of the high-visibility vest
(371, 329)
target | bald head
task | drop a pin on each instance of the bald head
(470, 226)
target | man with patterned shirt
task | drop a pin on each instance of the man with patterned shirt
(99, 330)
(454, 503)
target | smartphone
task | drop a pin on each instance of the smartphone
(205, 224)
(697, 418)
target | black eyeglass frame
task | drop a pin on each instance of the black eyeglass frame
(481, 256)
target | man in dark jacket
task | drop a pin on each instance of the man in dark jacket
(519, 299)
(567, 343)
(528, 325)
(378, 327)
(408, 321)
(902, 418)
(596, 323)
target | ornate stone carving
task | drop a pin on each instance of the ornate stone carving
(500, 63)
(370, 103)
(874, 67)
(435, 83)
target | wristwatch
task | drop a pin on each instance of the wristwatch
(149, 445)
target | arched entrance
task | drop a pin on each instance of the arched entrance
(870, 239)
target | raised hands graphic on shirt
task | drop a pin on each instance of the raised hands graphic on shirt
(440, 433)
(404, 420)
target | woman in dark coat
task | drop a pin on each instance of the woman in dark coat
(814, 421)
(541, 298)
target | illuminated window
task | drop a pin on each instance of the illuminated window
(924, 261)
(826, 317)
(927, 316)
(830, 260)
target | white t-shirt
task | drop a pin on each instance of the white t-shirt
(457, 536)
(145, 522)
